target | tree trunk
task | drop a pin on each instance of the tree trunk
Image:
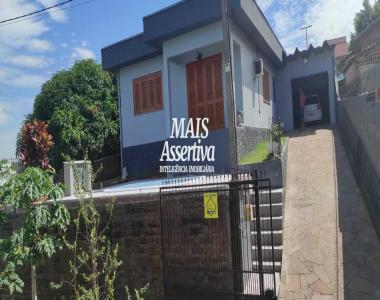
(34, 282)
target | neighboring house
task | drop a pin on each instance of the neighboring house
(341, 47)
(360, 70)
(175, 69)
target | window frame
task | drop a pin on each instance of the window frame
(146, 79)
(266, 74)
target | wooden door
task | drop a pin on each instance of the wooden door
(205, 90)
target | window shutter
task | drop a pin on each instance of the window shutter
(147, 93)
(266, 89)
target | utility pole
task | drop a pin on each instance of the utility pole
(230, 94)
(306, 28)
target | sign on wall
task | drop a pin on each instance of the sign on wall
(210, 203)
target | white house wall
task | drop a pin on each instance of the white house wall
(248, 88)
(143, 128)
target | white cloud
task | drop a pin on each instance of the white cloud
(55, 14)
(64, 45)
(28, 61)
(40, 45)
(264, 4)
(14, 77)
(82, 53)
(330, 19)
(26, 81)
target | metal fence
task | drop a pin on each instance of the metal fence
(212, 238)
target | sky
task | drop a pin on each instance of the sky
(34, 49)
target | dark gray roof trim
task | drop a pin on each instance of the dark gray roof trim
(248, 13)
(186, 16)
(127, 52)
(311, 50)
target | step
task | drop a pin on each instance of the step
(265, 223)
(267, 252)
(276, 210)
(276, 196)
(266, 238)
(268, 266)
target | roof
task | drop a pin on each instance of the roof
(188, 15)
(311, 50)
(338, 40)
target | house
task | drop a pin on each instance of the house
(313, 71)
(341, 47)
(360, 70)
(175, 69)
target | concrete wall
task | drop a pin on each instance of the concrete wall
(136, 226)
(360, 129)
(296, 68)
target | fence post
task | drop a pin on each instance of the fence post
(258, 230)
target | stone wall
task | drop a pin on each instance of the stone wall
(195, 247)
(248, 138)
(359, 123)
(135, 226)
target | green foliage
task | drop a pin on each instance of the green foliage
(259, 154)
(95, 260)
(35, 143)
(366, 15)
(81, 107)
(277, 132)
(40, 234)
(139, 293)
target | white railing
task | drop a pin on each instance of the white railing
(8, 168)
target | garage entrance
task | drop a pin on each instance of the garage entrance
(316, 89)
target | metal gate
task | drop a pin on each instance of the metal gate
(212, 235)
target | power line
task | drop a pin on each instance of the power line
(36, 12)
(47, 13)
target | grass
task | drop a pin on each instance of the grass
(259, 154)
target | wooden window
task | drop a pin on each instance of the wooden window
(205, 90)
(147, 93)
(266, 89)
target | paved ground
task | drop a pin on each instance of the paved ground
(331, 250)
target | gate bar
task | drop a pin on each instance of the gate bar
(258, 235)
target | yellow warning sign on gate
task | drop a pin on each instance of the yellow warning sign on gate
(210, 203)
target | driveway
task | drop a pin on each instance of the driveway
(331, 250)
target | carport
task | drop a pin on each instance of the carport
(312, 70)
(318, 85)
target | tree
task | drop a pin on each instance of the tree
(366, 15)
(81, 107)
(42, 228)
(35, 143)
